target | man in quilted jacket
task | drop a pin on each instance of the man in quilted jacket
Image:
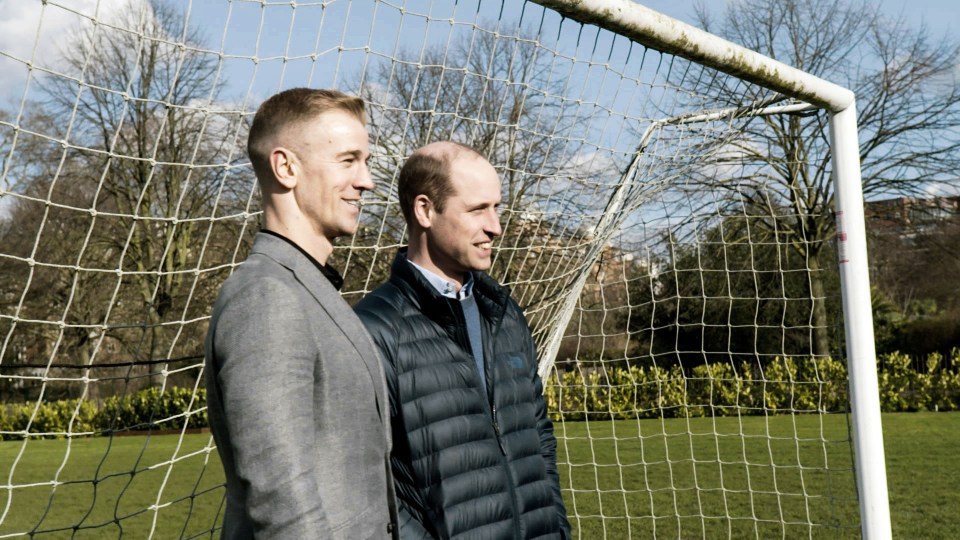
(474, 454)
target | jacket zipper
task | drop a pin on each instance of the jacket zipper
(496, 428)
(490, 387)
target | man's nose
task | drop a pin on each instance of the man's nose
(364, 181)
(493, 226)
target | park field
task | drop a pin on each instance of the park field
(698, 478)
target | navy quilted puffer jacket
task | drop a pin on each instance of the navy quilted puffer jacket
(467, 463)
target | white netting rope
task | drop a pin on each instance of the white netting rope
(118, 229)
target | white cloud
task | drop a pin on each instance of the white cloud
(30, 32)
(592, 163)
(943, 189)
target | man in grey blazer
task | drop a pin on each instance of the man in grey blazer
(295, 390)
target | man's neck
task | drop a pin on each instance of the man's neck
(318, 246)
(428, 266)
(445, 286)
(426, 263)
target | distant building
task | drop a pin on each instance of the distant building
(912, 245)
(906, 217)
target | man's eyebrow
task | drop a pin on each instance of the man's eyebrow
(482, 205)
(355, 153)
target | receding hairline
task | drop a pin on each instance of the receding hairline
(428, 171)
(447, 152)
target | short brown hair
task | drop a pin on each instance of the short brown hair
(427, 172)
(289, 108)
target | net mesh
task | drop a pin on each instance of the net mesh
(684, 311)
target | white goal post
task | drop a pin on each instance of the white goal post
(659, 32)
(696, 283)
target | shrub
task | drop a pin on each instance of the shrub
(154, 408)
(147, 409)
(596, 392)
(782, 385)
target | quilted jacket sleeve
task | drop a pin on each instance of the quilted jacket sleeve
(372, 313)
(548, 442)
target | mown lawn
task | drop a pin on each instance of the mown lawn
(175, 490)
(678, 478)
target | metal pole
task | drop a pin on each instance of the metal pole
(858, 319)
(657, 31)
(665, 34)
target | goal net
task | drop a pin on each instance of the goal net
(669, 229)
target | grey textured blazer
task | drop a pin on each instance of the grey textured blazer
(297, 404)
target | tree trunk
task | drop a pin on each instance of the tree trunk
(821, 334)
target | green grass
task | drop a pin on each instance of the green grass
(697, 478)
(117, 503)
(923, 465)
(709, 478)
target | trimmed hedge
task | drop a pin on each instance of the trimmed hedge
(149, 409)
(804, 385)
(807, 385)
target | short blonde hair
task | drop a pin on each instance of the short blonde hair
(290, 108)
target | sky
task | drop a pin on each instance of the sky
(34, 31)
(941, 16)
(21, 36)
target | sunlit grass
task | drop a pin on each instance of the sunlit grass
(698, 478)
(95, 494)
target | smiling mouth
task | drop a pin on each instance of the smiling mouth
(485, 245)
(354, 203)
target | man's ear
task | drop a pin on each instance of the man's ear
(423, 211)
(284, 164)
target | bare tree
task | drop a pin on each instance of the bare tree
(909, 117)
(136, 189)
(489, 91)
(915, 258)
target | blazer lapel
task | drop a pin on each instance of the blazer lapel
(320, 287)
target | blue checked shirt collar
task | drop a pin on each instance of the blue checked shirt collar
(445, 287)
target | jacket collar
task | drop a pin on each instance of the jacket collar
(293, 258)
(492, 298)
(328, 271)
(443, 286)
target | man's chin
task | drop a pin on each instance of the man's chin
(481, 265)
(344, 233)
